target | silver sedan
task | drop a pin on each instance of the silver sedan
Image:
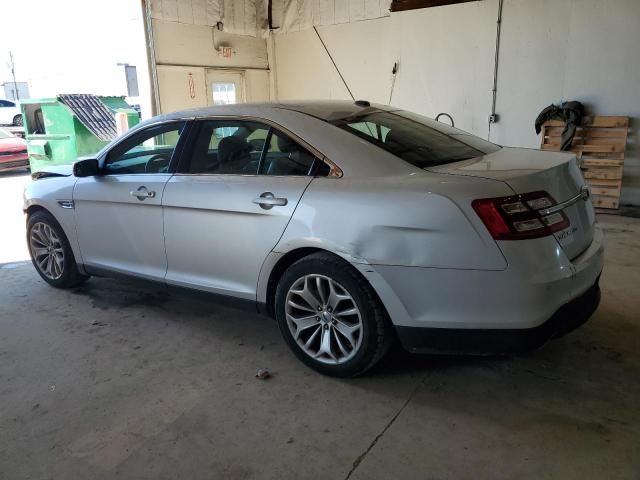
(352, 224)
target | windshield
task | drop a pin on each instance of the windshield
(4, 134)
(419, 140)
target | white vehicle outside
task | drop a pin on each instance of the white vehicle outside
(10, 113)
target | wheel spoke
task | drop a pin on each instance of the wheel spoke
(323, 319)
(38, 252)
(303, 323)
(336, 337)
(36, 240)
(47, 250)
(325, 344)
(300, 307)
(38, 236)
(43, 263)
(312, 337)
(57, 265)
(349, 311)
(334, 297)
(49, 265)
(348, 331)
(323, 300)
(307, 295)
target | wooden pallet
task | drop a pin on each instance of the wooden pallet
(599, 144)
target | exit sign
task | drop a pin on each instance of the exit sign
(227, 52)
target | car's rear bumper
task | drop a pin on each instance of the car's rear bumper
(9, 162)
(488, 311)
(500, 341)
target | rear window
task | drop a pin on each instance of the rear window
(416, 139)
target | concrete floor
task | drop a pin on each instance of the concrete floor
(110, 380)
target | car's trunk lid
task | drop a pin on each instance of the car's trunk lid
(525, 171)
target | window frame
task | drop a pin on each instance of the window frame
(313, 168)
(136, 134)
(185, 158)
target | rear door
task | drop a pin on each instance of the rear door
(229, 203)
(119, 212)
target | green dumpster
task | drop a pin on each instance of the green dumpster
(60, 129)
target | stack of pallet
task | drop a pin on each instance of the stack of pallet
(599, 144)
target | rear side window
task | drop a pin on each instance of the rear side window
(247, 147)
(284, 156)
(228, 147)
(416, 139)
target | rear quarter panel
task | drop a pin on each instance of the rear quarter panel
(414, 220)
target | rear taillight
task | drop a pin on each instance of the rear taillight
(518, 217)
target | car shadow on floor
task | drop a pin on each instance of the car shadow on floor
(197, 309)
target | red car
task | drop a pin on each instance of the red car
(13, 151)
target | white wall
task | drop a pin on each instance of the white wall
(199, 45)
(551, 50)
(184, 52)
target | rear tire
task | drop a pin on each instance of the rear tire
(17, 121)
(330, 316)
(51, 253)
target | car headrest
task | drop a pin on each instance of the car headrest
(232, 148)
(285, 144)
(393, 138)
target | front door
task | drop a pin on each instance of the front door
(224, 87)
(228, 206)
(119, 212)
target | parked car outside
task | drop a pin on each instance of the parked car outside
(13, 151)
(352, 224)
(10, 113)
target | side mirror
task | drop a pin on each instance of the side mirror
(86, 168)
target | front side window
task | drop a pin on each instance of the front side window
(418, 140)
(148, 151)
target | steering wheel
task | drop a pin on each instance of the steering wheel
(157, 164)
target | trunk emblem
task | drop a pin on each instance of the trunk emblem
(585, 193)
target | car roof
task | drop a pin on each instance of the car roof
(327, 110)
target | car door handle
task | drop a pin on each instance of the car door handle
(142, 193)
(268, 200)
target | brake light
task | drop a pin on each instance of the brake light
(518, 217)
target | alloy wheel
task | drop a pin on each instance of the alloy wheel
(47, 250)
(323, 319)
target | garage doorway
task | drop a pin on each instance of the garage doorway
(224, 87)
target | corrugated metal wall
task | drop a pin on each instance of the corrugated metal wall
(243, 17)
(296, 15)
(249, 17)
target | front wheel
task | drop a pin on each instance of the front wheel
(330, 316)
(51, 253)
(17, 121)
